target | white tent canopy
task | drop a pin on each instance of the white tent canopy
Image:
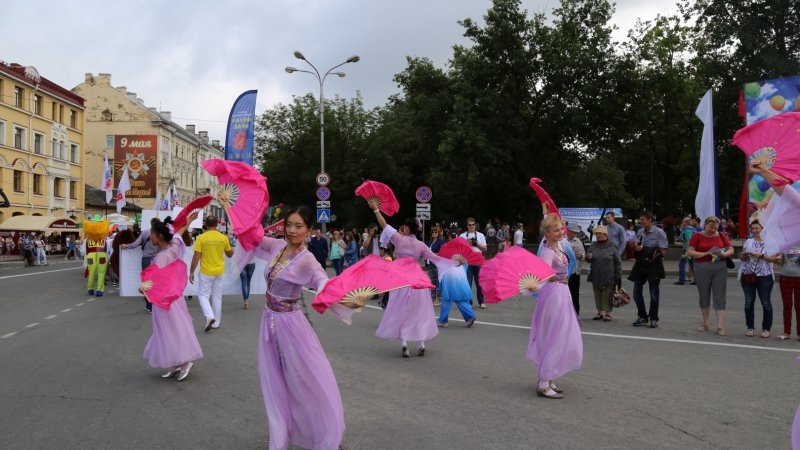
(38, 223)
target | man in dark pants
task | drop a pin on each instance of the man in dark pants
(477, 241)
(319, 247)
(149, 251)
(651, 245)
(574, 280)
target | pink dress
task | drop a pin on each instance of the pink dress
(555, 342)
(173, 341)
(409, 315)
(301, 397)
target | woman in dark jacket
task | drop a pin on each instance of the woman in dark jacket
(605, 272)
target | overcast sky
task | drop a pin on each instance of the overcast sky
(194, 58)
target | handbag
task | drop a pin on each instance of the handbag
(749, 278)
(620, 298)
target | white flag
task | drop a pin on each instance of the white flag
(124, 185)
(107, 184)
(157, 203)
(705, 203)
(175, 200)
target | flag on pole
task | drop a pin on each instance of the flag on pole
(124, 185)
(706, 203)
(157, 203)
(175, 200)
(107, 185)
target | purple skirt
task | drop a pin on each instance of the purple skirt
(555, 343)
(173, 341)
(301, 397)
(409, 315)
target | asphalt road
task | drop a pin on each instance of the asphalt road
(72, 377)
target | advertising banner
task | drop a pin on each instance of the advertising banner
(241, 129)
(139, 153)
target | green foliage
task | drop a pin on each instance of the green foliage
(602, 123)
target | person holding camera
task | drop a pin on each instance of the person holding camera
(478, 243)
(710, 249)
(756, 278)
(650, 248)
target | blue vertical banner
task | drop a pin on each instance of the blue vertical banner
(241, 129)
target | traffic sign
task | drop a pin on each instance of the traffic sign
(323, 215)
(323, 193)
(323, 179)
(424, 194)
(424, 215)
(323, 205)
(423, 207)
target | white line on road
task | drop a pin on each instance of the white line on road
(66, 310)
(90, 300)
(36, 273)
(51, 317)
(8, 335)
(31, 325)
(79, 304)
(641, 338)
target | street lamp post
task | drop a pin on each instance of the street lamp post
(321, 80)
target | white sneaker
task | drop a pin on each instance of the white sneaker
(172, 372)
(185, 372)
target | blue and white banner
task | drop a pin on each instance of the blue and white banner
(586, 217)
(241, 129)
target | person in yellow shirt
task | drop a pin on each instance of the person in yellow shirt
(209, 250)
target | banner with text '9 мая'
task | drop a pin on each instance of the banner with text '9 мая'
(241, 128)
(139, 153)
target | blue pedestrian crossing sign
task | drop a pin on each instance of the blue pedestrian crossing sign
(324, 215)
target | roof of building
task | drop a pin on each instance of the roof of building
(23, 74)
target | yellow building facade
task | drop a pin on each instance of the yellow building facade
(115, 112)
(41, 145)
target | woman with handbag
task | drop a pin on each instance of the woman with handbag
(711, 250)
(605, 272)
(756, 277)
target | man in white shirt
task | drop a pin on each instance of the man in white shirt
(477, 241)
(518, 235)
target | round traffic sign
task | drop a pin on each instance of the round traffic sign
(323, 193)
(323, 179)
(424, 194)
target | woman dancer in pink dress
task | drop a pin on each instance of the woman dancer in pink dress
(173, 344)
(555, 341)
(409, 314)
(301, 397)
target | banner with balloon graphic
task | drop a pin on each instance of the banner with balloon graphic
(762, 100)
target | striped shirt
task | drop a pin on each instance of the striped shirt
(757, 266)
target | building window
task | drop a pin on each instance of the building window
(19, 95)
(57, 187)
(54, 111)
(37, 184)
(18, 181)
(61, 147)
(61, 113)
(73, 153)
(2, 131)
(37, 105)
(109, 141)
(73, 190)
(38, 143)
(73, 118)
(106, 115)
(19, 137)
(55, 148)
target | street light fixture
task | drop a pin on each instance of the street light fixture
(321, 80)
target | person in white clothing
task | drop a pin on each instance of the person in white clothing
(518, 236)
(209, 249)
(477, 241)
(41, 255)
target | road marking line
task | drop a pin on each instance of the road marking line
(36, 273)
(90, 300)
(66, 310)
(31, 325)
(79, 304)
(51, 317)
(7, 335)
(641, 338)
